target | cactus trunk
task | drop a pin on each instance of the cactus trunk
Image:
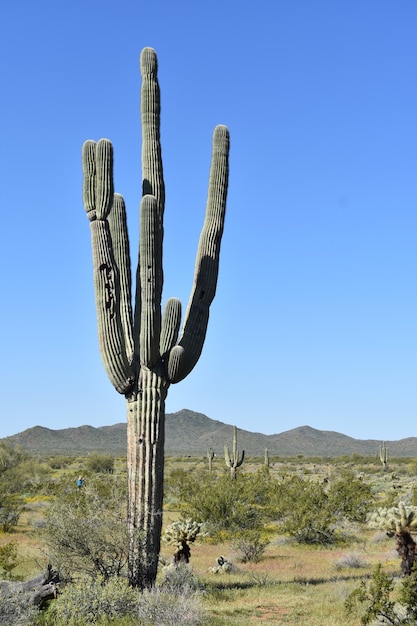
(145, 473)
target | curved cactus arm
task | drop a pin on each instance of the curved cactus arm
(171, 321)
(98, 199)
(151, 280)
(194, 330)
(152, 170)
(120, 242)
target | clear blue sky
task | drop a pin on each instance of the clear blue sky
(314, 320)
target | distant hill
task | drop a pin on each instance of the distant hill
(190, 434)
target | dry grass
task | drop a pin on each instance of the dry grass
(290, 584)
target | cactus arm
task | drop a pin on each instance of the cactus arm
(151, 280)
(171, 321)
(98, 200)
(120, 242)
(184, 357)
(152, 170)
(227, 458)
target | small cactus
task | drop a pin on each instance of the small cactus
(232, 460)
(402, 518)
(180, 534)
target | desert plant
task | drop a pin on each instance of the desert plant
(384, 455)
(140, 348)
(375, 600)
(159, 607)
(401, 518)
(306, 515)
(8, 559)
(12, 506)
(399, 522)
(180, 534)
(350, 497)
(232, 459)
(351, 561)
(86, 530)
(210, 456)
(177, 577)
(250, 545)
(100, 463)
(90, 601)
(225, 505)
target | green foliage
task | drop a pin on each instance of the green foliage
(250, 545)
(100, 463)
(307, 516)
(86, 529)
(8, 560)
(374, 600)
(11, 508)
(349, 497)
(89, 601)
(222, 504)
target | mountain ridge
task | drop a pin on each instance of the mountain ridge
(189, 433)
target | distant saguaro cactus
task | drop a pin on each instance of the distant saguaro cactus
(210, 456)
(232, 460)
(384, 455)
(142, 350)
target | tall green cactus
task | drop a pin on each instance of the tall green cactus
(232, 460)
(142, 350)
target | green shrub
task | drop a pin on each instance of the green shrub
(93, 601)
(86, 528)
(100, 463)
(305, 510)
(90, 601)
(350, 498)
(374, 600)
(250, 545)
(8, 560)
(224, 505)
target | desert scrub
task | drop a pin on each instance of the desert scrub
(90, 601)
(250, 546)
(385, 600)
(351, 561)
(14, 609)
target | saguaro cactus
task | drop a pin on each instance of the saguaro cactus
(210, 456)
(142, 350)
(384, 455)
(232, 460)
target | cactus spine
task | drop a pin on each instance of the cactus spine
(142, 350)
(232, 460)
(384, 455)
